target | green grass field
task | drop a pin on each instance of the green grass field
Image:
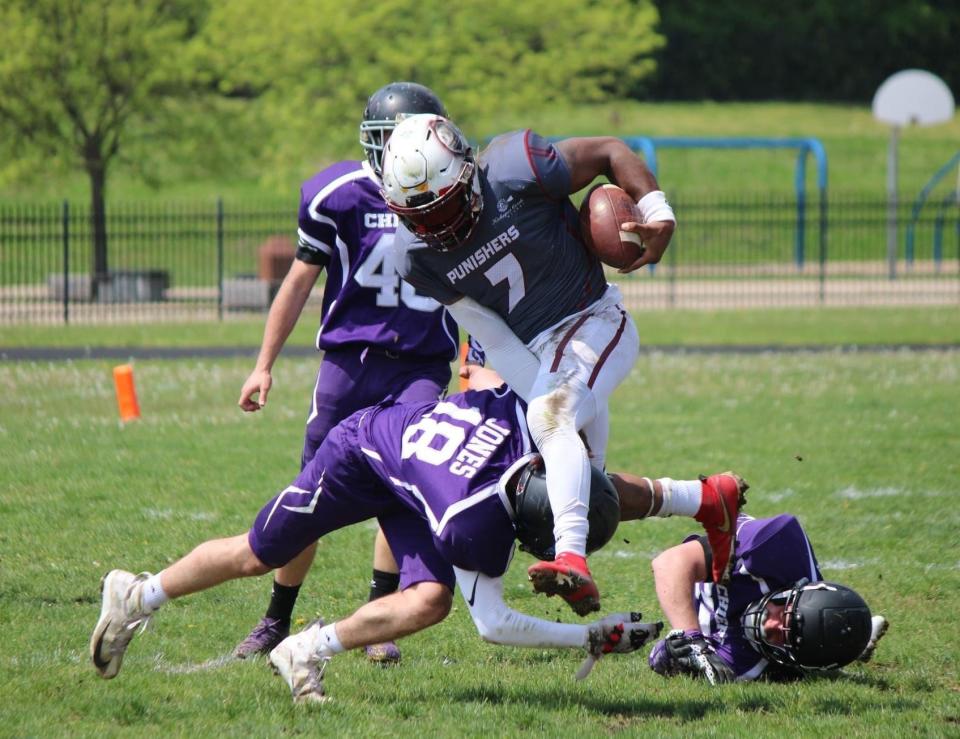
(775, 327)
(863, 447)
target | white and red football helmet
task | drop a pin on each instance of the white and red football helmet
(430, 180)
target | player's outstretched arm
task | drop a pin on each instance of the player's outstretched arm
(606, 156)
(500, 624)
(516, 364)
(283, 315)
(675, 573)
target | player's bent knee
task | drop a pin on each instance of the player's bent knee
(547, 414)
(255, 568)
(249, 564)
(430, 601)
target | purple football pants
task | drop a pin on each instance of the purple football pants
(338, 488)
(349, 380)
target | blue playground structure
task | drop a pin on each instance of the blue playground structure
(951, 199)
(648, 145)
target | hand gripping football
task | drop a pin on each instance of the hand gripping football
(603, 211)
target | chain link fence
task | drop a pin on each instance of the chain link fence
(217, 261)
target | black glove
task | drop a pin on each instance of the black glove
(690, 652)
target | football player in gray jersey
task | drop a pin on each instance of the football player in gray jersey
(497, 239)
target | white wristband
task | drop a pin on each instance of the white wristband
(654, 207)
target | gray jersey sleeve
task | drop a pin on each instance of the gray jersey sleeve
(530, 165)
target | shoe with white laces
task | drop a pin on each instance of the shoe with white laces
(878, 627)
(298, 661)
(121, 612)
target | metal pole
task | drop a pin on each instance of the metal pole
(823, 245)
(892, 202)
(801, 188)
(220, 258)
(65, 231)
(672, 276)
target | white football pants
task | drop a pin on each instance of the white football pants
(582, 360)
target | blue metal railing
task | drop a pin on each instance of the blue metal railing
(648, 145)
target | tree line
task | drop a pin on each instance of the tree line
(819, 50)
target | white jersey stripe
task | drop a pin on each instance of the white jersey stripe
(319, 197)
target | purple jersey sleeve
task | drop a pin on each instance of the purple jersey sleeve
(324, 200)
(775, 550)
(345, 226)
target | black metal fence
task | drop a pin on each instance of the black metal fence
(216, 260)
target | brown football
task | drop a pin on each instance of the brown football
(604, 208)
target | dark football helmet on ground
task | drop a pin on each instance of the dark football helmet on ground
(825, 626)
(534, 522)
(386, 108)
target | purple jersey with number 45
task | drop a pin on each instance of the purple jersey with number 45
(770, 554)
(525, 259)
(345, 226)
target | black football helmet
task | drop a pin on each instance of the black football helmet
(388, 106)
(825, 625)
(534, 523)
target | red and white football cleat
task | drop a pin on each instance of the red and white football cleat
(723, 496)
(569, 577)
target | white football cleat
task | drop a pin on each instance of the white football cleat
(878, 627)
(121, 612)
(297, 660)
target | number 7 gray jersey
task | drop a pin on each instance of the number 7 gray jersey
(526, 258)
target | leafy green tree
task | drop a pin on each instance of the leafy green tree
(312, 65)
(74, 76)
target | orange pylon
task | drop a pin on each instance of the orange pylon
(126, 393)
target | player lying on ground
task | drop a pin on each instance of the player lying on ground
(497, 239)
(442, 480)
(775, 616)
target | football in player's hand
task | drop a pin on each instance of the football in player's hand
(602, 212)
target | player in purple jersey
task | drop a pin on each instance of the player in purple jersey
(442, 478)
(498, 241)
(775, 617)
(448, 481)
(377, 334)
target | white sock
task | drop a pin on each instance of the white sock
(329, 643)
(153, 595)
(680, 497)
